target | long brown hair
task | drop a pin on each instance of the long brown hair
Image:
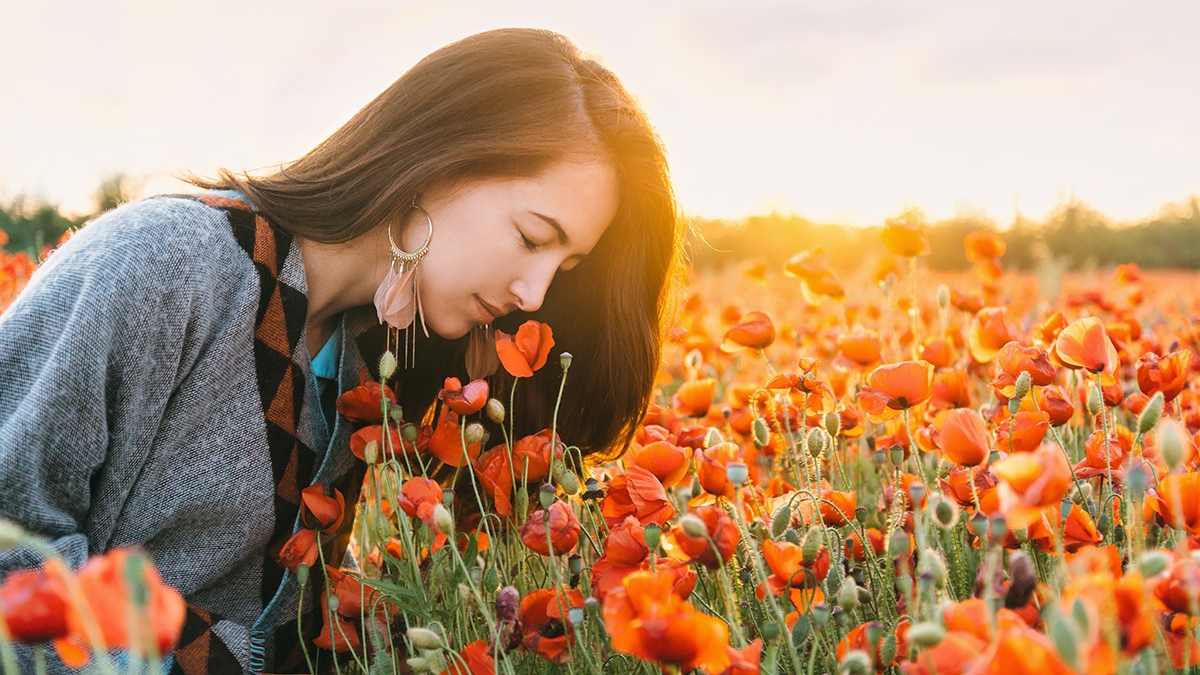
(508, 103)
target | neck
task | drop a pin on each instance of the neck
(341, 276)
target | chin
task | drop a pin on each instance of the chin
(452, 332)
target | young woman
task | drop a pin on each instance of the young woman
(168, 377)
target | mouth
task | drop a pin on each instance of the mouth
(487, 313)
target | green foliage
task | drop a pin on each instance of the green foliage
(32, 224)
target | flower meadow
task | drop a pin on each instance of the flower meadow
(911, 473)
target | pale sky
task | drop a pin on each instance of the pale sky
(842, 110)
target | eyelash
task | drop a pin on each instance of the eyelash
(529, 243)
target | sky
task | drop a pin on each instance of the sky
(847, 111)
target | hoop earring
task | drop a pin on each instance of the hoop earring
(398, 298)
(482, 359)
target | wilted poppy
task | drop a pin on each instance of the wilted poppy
(1031, 482)
(990, 330)
(964, 438)
(525, 352)
(1056, 404)
(1085, 344)
(720, 531)
(905, 235)
(667, 461)
(318, 512)
(362, 403)
(300, 548)
(337, 634)
(544, 625)
(446, 440)
(464, 400)
(563, 529)
(754, 331)
(1167, 374)
(639, 494)
(895, 387)
(694, 397)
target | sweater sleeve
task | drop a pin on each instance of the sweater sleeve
(90, 354)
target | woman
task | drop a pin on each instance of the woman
(168, 377)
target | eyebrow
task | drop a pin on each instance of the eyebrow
(562, 234)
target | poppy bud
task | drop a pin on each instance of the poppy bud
(779, 524)
(887, 649)
(847, 597)
(820, 613)
(494, 410)
(979, 525)
(736, 473)
(387, 366)
(856, 662)
(473, 433)
(1136, 480)
(816, 443)
(1024, 382)
(591, 603)
(564, 360)
(693, 526)
(420, 664)
(762, 435)
(522, 501)
(575, 563)
(1095, 400)
(334, 602)
(800, 631)
(569, 482)
(1150, 414)
(898, 546)
(810, 548)
(653, 535)
(1153, 563)
(1171, 442)
(926, 634)
(546, 495)
(943, 296)
(491, 579)
(999, 526)
(302, 574)
(770, 631)
(932, 563)
(442, 519)
(1104, 523)
(410, 433)
(371, 452)
(896, 454)
(833, 424)
(423, 638)
(713, 438)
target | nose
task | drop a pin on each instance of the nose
(530, 288)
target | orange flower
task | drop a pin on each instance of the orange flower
(648, 620)
(990, 331)
(789, 569)
(1031, 482)
(1179, 590)
(693, 398)
(525, 352)
(496, 478)
(607, 577)
(862, 347)
(964, 437)
(446, 441)
(951, 389)
(639, 494)
(362, 403)
(474, 659)
(983, 245)
(1024, 433)
(364, 436)
(626, 543)
(300, 549)
(859, 638)
(720, 529)
(464, 400)
(905, 235)
(1168, 374)
(318, 512)
(1020, 650)
(821, 399)
(744, 661)
(1014, 359)
(667, 461)
(545, 628)
(957, 484)
(563, 529)
(854, 546)
(816, 279)
(841, 505)
(711, 466)
(418, 497)
(1097, 461)
(341, 636)
(951, 656)
(1056, 405)
(754, 331)
(1084, 344)
(1176, 499)
(34, 604)
(895, 387)
(939, 351)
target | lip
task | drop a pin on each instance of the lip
(487, 313)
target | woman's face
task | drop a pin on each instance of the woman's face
(498, 243)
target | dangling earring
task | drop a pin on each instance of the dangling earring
(398, 299)
(482, 359)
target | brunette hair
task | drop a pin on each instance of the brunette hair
(502, 103)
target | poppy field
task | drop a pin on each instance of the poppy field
(889, 471)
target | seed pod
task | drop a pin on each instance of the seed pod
(833, 424)
(847, 597)
(575, 563)
(1095, 400)
(387, 366)
(494, 410)
(820, 613)
(371, 452)
(1021, 388)
(547, 495)
(302, 574)
(736, 473)
(896, 454)
(334, 602)
(447, 497)
(779, 524)
(999, 526)
(1014, 405)
(397, 415)
(1150, 414)
(653, 534)
(564, 360)
(410, 433)
(762, 435)
(899, 546)
(575, 615)
(473, 433)
(945, 513)
(814, 540)
(926, 634)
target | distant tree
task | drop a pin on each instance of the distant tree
(114, 191)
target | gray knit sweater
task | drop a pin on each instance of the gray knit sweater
(130, 412)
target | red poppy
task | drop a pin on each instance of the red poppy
(474, 659)
(525, 352)
(720, 531)
(693, 398)
(711, 470)
(1097, 460)
(607, 577)
(318, 512)
(667, 461)
(790, 569)
(1085, 344)
(862, 347)
(418, 497)
(1022, 433)
(1056, 404)
(1179, 589)
(625, 545)
(544, 625)
(639, 494)
(754, 331)
(301, 548)
(895, 387)
(816, 279)
(858, 638)
(1176, 499)
(464, 400)
(563, 529)
(951, 389)
(362, 403)
(964, 438)
(905, 235)
(990, 330)
(446, 440)
(1014, 359)
(854, 547)
(983, 245)
(744, 661)
(34, 604)
(1167, 374)
(374, 433)
(337, 633)
(953, 655)
(1031, 482)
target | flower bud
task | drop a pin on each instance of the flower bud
(1153, 563)
(692, 526)
(1024, 382)
(999, 526)
(916, 492)
(762, 435)
(779, 524)
(494, 410)
(371, 452)
(522, 501)
(1095, 400)
(423, 638)
(508, 604)
(816, 442)
(1171, 441)
(547, 495)
(943, 296)
(926, 634)
(302, 574)
(932, 564)
(334, 602)
(420, 664)
(979, 525)
(770, 631)
(442, 519)
(736, 473)
(713, 438)
(1104, 522)
(652, 534)
(856, 662)
(569, 482)
(1150, 414)
(833, 424)
(810, 548)
(820, 613)
(473, 433)
(491, 580)
(887, 649)
(575, 564)
(387, 366)
(564, 360)
(800, 630)
(847, 597)
(899, 546)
